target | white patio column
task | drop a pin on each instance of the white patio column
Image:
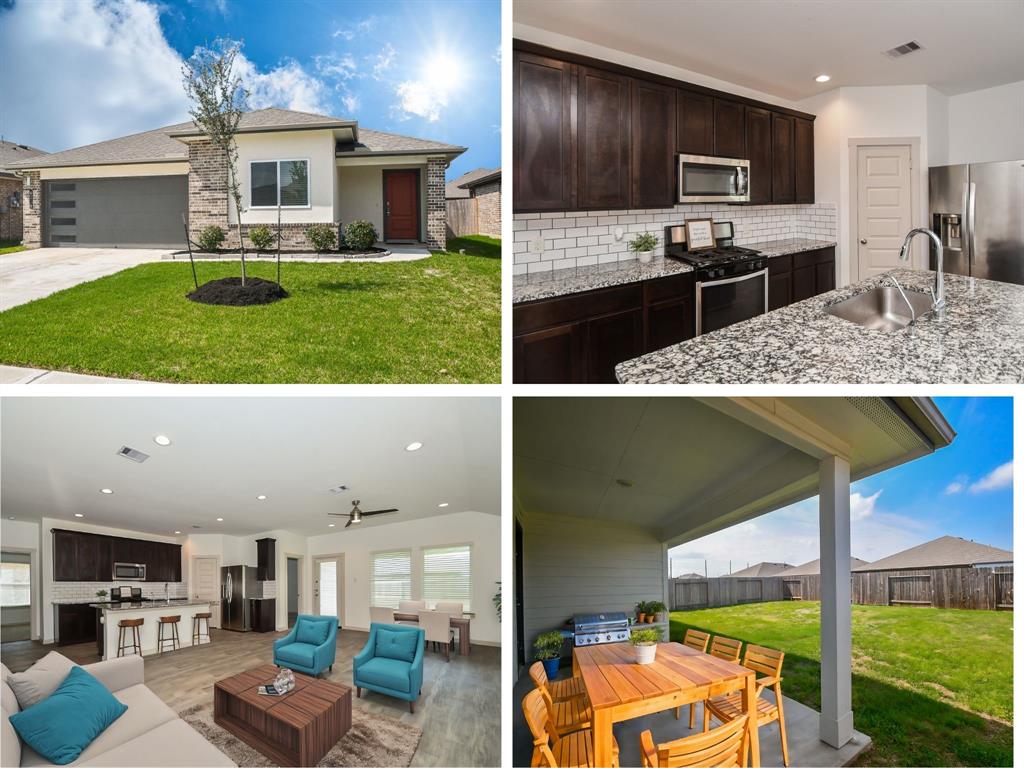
(836, 724)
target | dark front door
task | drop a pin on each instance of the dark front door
(402, 205)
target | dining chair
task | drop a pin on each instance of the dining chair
(567, 715)
(437, 630)
(725, 746)
(726, 648)
(380, 614)
(728, 707)
(558, 690)
(699, 642)
(570, 750)
(410, 606)
(452, 608)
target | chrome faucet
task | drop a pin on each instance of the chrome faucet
(939, 292)
(913, 314)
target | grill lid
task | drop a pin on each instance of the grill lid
(594, 620)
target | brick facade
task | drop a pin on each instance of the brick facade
(207, 188)
(11, 192)
(488, 209)
(436, 210)
(32, 210)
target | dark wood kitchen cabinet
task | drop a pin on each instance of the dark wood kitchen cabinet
(263, 614)
(730, 130)
(75, 624)
(814, 272)
(780, 282)
(65, 556)
(610, 340)
(602, 139)
(668, 311)
(81, 556)
(266, 559)
(803, 160)
(759, 153)
(695, 123)
(549, 356)
(543, 149)
(652, 167)
(93, 561)
(783, 179)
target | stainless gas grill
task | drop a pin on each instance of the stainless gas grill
(595, 628)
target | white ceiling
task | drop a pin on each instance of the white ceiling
(57, 452)
(780, 46)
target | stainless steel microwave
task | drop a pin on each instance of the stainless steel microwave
(705, 179)
(129, 571)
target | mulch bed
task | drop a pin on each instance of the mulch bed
(229, 291)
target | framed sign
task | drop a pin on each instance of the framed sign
(700, 234)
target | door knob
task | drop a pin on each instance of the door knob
(863, 241)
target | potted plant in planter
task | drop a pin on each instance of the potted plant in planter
(101, 593)
(548, 650)
(645, 643)
(643, 246)
(658, 610)
(641, 612)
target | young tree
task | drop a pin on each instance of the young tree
(218, 102)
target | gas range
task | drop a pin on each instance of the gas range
(723, 261)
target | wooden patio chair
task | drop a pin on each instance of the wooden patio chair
(559, 690)
(724, 747)
(726, 648)
(728, 707)
(568, 715)
(699, 642)
(571, 750)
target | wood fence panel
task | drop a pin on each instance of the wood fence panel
(462, 217)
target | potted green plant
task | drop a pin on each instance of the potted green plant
(548, 650)
(643, 246)
(641, 612)
(645, 643)
(658, 609)
(101, 593)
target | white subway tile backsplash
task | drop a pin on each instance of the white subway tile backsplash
(86, 590)
(575, 239)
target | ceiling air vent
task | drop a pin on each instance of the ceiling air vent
(130, 453)
(339, 488)
(903, 50)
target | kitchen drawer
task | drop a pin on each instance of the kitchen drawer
(780, 264)
(810, 258)
(581, 306)
(666, 288)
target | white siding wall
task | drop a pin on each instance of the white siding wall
(577, 565)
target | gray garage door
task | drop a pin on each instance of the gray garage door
(119, 213)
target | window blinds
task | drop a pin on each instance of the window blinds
(446, 575)
(392, 578)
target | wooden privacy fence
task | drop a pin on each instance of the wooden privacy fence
(462, 217)
(985, 589)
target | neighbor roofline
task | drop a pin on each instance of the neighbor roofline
(20, 167)
(481, 180)
(196, 133)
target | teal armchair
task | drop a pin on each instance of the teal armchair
(391, 662)
(310, 646)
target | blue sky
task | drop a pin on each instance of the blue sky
(963, 490)
(80, 71)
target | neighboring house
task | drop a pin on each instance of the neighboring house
(135, 191)
(474, 203)
(11, 188)
(690, 575)
(813, 568)
(760, 569)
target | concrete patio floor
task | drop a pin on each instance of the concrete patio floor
(806, 750)
(38, 272)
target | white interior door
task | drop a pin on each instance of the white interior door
(327, 586)
(884, 214)
(206, 584)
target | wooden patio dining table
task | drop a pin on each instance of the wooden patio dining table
(620, 689)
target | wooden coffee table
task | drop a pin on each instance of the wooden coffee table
(298, 728)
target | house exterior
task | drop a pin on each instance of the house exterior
(474, 203)
(11, 188)
(760, 569)
(139, 190)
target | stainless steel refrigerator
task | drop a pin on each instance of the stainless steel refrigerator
(977, 211)
(238, 586)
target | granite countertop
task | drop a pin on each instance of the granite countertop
(154, 604)
(980, 340)
(772, 248)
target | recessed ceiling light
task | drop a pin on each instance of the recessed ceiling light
(11, 517)
(330, 525)
(413, 446)
(162, 440)
(822, 79)
(107, 491)
(177, 532)
(261, 497)
(79, 514)
(220, 519)
(443, 504)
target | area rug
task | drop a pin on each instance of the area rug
(372, 740)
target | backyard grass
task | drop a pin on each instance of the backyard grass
(930, 686)
(476, 245)
(10, 246)
(436, 320)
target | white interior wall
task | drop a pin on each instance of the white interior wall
(987, 125)
(23, 535)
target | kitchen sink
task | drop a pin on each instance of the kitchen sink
(882, 308)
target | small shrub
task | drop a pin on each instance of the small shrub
(645, 636)
(360, 235)
(261, 238)
(656, 606)
(321, 237)
(548, 645)
(211, 238)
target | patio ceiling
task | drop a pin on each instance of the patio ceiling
(686, 467)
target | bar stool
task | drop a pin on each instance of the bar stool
(197, 627)
(173, 639)
(135, 645)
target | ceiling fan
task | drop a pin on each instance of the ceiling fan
(357, 515)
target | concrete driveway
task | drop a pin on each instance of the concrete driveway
(33, 274)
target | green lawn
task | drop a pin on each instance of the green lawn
(434, 320)
(10, 246)
(476, 245)
(930, 686)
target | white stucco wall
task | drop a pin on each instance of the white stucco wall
(361, 194)
(315, 146)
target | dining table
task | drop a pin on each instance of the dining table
(619, 689)
(460, 623)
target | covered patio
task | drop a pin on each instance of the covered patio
(604, 486)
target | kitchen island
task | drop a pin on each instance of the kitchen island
(109, 614)
(980, 340)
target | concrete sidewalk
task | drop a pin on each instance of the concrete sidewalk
(397, 253)
(12, 374)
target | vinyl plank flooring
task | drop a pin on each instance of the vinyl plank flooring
(459, 711)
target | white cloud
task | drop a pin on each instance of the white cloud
(287, 86)
(861, 506)
(497, 55)
(953, 488)
(425, 100)
(361, 27)
(1000, 477)
(351, 104)
(383, 61)
(343, 67)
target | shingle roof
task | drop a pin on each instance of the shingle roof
(12, 152)
(690, 576)
(942, 552)
(159, 145)
(762, 569)
(813, 568)
(455, 190)
(494, 175)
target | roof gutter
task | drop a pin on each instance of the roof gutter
(454, 152)
(925, 418)
(195, 133)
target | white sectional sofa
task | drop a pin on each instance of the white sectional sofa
(148, 734)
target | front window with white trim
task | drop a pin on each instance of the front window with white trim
(279, 182)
